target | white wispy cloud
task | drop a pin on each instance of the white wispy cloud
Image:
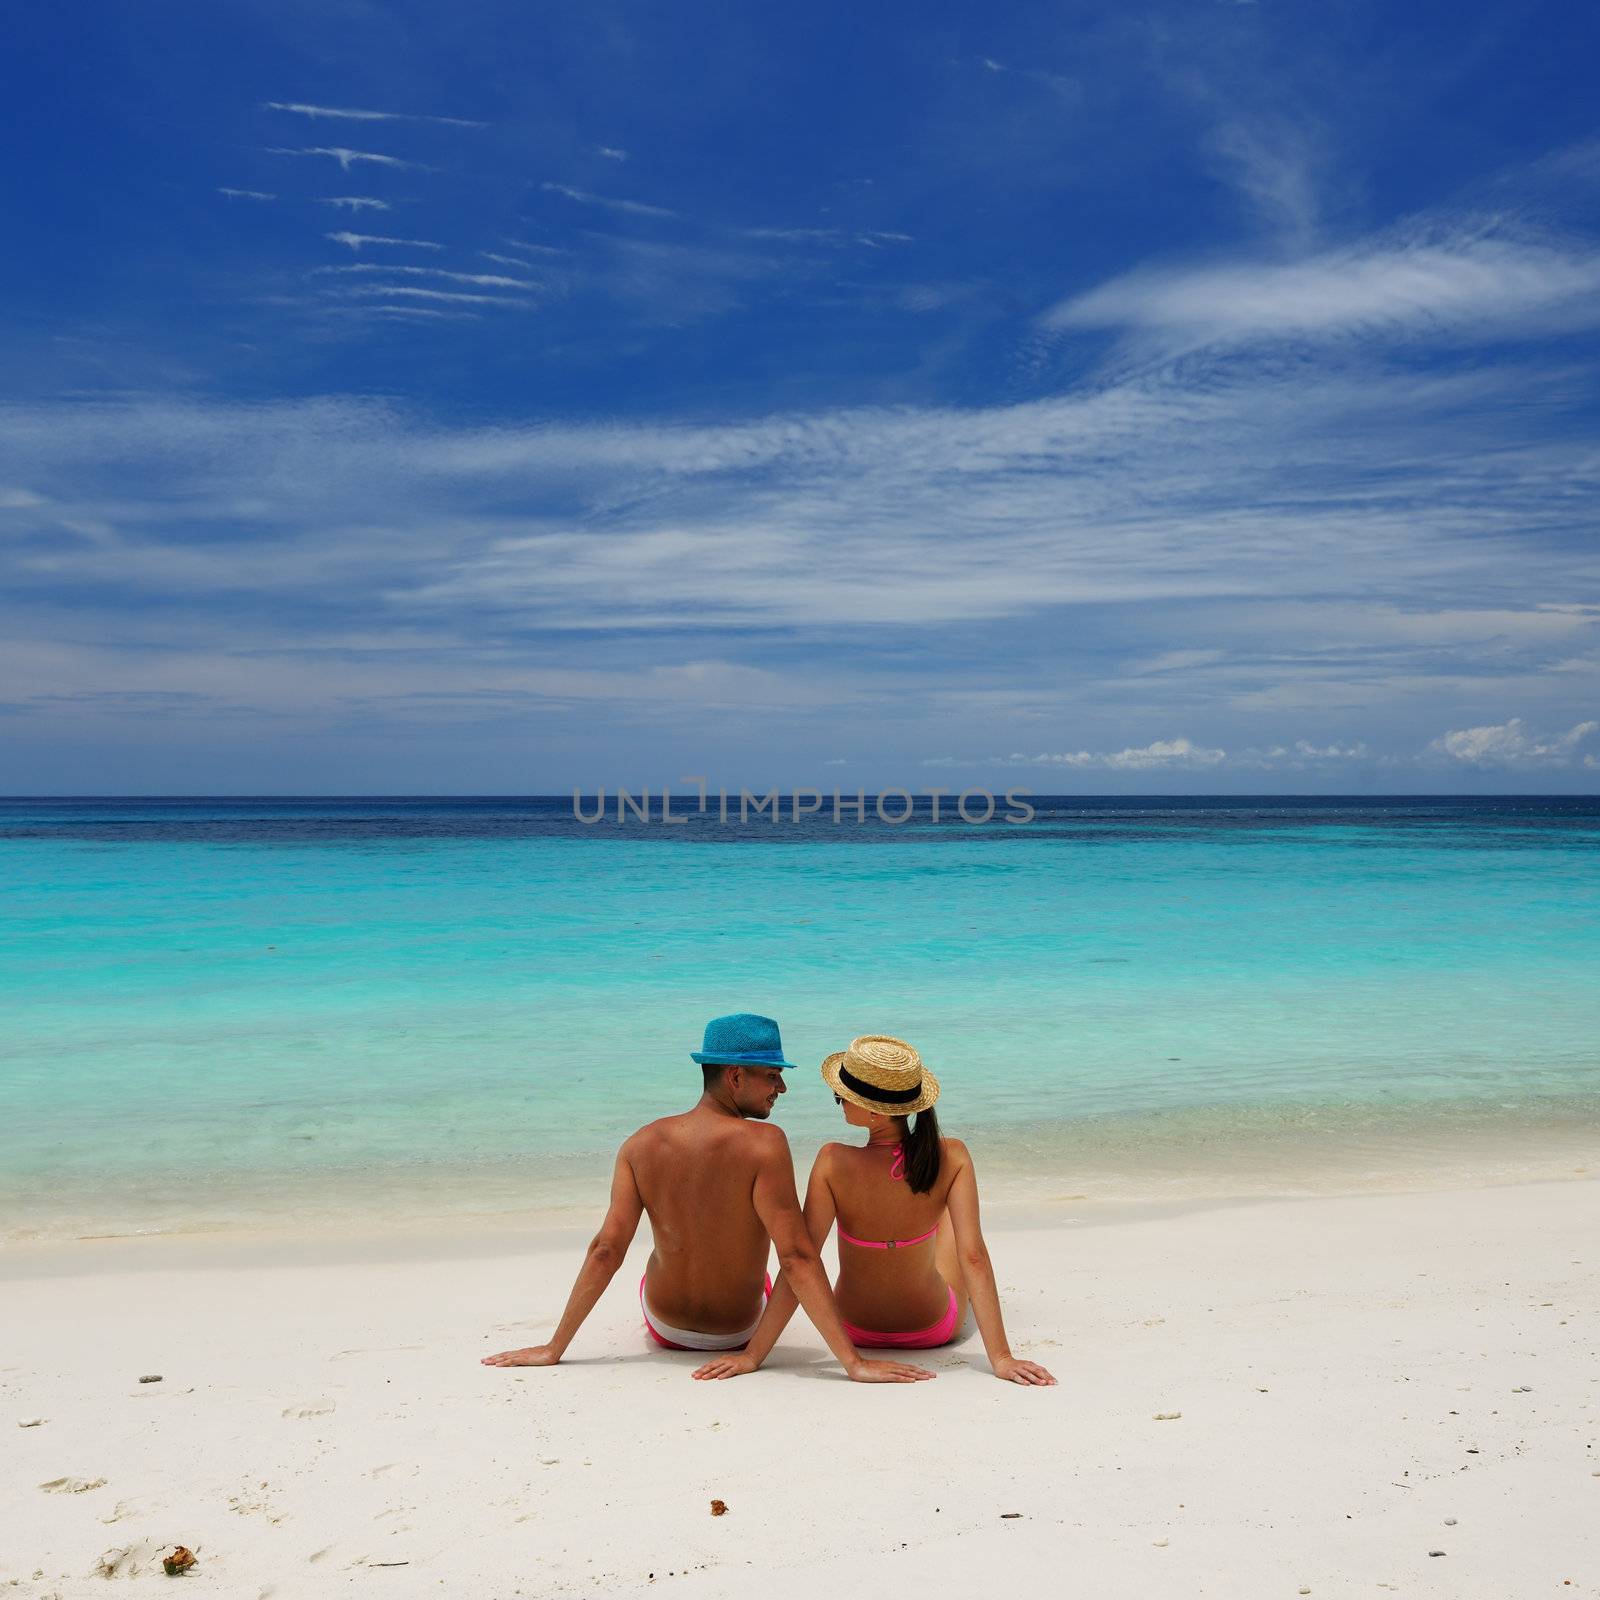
(611, 153)
(366, 311)
(354, 202)
(1273, 164)
(345, 114)
(488, 280)
(349, 158)
(447, 295)
(1475, 285)
(636, 208)
(1057, 82)
(357, 241)
(796, 235)
(533, 249)
(1511, 744)
(1387, 543)
(247, 194)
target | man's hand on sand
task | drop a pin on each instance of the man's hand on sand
(886, 1372)
(733, 1366)
(1030, 1372)
(539, 1355)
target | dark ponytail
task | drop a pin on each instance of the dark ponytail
(921, 1145)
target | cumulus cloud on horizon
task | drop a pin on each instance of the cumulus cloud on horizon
(1510, 743)
(1158, 753)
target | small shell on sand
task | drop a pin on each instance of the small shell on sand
(1167, 1416)
(30, 1422)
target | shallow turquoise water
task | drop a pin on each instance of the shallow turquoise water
(204, 998)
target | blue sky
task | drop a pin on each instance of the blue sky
(1181, 397)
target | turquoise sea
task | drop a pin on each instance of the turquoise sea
(216, 1012)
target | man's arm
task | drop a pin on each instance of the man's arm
(600, 1263)
(820, 1210)
(779, 1209)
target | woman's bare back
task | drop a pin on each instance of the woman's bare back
(898, 1289)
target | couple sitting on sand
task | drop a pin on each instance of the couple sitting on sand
(718, 1187)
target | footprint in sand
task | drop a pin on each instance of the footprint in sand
(72, 1485)
(312, 1408)
(128, 1561)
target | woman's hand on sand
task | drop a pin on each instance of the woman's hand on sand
(863, 1371)
(538, 1355)
(1028, 1372)
(734, 1366)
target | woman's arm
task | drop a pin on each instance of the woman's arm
(819, 1213)
(600, 1263)
(978, 1271)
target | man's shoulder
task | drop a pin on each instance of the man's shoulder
(766, 1137)
(651, 1133)
(744, 1133)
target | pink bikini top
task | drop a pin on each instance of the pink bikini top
(897, 1170)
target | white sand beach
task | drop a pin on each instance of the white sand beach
(1349, 1384)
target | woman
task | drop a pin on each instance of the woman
(911, 1251)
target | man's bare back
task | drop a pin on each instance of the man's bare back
(690, 1169)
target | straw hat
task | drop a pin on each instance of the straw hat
(881, 1074)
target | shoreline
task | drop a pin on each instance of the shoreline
(1098, 1165)
(563, 1235)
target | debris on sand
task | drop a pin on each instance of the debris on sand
(719, 1508)
(72, 1485)
(30, 1422)
(1166, 1416)
(1009, 1516)
(151, 1377)
(179, 1561)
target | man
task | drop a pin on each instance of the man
(717, 1186)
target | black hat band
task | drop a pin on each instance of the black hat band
(870, 1091)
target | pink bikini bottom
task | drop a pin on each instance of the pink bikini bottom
(942, 1332)
(670, 1338)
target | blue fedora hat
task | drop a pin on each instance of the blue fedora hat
(741, 1040)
